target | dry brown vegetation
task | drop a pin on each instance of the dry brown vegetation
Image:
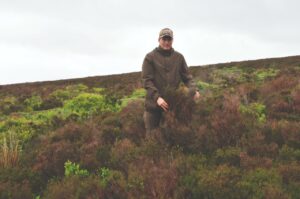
(240, 140)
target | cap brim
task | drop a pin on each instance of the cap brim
(165, 36)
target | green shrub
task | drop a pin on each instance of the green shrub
(8, 104)
(204, 86)
(69, 92)
(87, 104)
(104, 174)
(29, 124)
(98, 90)
(229, 75)
(33, 103)
(26, 125)
(136, 94)
(2, 126)
(61, 95)
(256, 110)
(74, 169)
(262, 74)
(77, 87)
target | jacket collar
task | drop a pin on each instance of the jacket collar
(164, 52)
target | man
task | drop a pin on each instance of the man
(163, 67)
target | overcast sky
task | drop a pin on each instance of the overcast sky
(51, 40)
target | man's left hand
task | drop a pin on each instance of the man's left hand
(197, 95)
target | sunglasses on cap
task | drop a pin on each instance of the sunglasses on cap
(167, 38)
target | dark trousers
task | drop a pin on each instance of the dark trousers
(152, 120)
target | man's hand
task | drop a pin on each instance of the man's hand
(197, 95)
(162, 103)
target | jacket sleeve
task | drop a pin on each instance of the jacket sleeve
(147, 78)
(187, 78)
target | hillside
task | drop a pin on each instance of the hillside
(85, 137)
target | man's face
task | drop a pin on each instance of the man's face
(166, 42)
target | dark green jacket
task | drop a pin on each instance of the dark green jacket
(161, 69)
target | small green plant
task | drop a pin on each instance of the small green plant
(108, 176)
(104, 174)
(74, 169)
(255, 109)
(37, 197)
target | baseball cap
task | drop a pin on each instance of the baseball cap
(166, 32)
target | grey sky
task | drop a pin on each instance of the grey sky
(51, 40)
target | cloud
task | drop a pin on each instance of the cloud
(49, 40)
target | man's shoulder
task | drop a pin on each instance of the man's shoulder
(178, 53)
(150, 54)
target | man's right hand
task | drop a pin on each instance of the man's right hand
(162, 103)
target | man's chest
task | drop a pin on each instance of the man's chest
(167, 64)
